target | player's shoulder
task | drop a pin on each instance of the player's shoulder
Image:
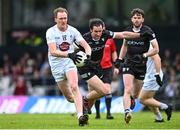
(52, 29)
(128, 28)
(87, 35)
(71, 28)
(146, 28)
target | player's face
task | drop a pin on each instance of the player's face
(96, 32)
(137, 20)
(61, 20)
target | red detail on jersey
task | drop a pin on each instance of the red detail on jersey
(109, 48)
(64, 46)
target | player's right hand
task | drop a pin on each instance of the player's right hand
(158, 80)
(74, 56)
(117, 63)
(88, 60)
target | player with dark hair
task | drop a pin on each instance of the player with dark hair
(92, 71)
(61, 55)
(136, 52)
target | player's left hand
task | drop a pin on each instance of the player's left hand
(118, 63)
(74, 56)
(139, 58)
(158, 80)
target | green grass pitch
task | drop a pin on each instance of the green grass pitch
(140, 120)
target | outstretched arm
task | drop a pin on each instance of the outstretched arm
(126, 35)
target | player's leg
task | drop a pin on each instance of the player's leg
(135, 92)
(128, 84)
(66, 91)
(97, 85)
(72, 78)
(107, 78)
(146, 98)
(157, 113)
(97, 107)
(98, 89)
(137, 88)
(144, 95)
(108, 99)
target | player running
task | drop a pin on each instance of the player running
(92, 71)
(152, 82)
(61, 55)
(136, 52)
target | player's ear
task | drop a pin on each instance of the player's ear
(131, 19)
(143, 20)
(91, 30)
(55, 19)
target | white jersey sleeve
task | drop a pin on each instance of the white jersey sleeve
(50, 37)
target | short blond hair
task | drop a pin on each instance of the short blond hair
(59, 9)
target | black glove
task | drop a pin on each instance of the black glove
(118, 63)
(146, 35)
(139, 58)
(74, 56)
(88, 60)
(158, 80)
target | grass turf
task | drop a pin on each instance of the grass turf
(140, 120)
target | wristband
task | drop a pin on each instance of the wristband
(144, 55)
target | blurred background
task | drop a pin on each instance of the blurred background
(24, 69)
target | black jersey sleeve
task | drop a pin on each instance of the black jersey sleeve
(149, 31)
(108, 33)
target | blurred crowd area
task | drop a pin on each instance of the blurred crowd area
(31, 75)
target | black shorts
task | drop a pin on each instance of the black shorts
(107, 75)
(87, 72)
(138, 71)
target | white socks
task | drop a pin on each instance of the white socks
(163, 106)
(79, 114)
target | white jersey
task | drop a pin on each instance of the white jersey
(64, 42)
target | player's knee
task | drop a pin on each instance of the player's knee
(135, 96)
(70, 100)
(106, 90)
(74, 87)
(141, 100)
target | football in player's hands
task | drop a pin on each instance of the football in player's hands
(80, 59)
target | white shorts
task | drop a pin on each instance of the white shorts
(59, 71)
(150, 86)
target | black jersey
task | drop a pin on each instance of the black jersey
(98, 46)
(139, 45)
(136, 47)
